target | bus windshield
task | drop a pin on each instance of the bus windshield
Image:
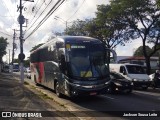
(88, 60)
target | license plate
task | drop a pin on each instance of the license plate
(93, 93)
(144, 86)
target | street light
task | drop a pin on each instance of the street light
(64, 21)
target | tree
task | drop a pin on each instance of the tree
(35, 47)
(3, 46)
(107, 29)
(102, 27)
(139, 51)
(78, 28)
(142, 19)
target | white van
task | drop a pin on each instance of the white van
(133, 72)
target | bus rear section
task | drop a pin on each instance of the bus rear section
(75, 66)
(15, 67)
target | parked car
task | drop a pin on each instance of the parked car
(119, 83)
(6, 69)
(155, 81)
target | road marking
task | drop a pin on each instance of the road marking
(148, 93)
(107, 97)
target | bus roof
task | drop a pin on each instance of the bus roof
(69, 39)
(77, 38)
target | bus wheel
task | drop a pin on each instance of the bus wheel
(57, 90)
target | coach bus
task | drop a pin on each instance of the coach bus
(15, 67)
(72, 66)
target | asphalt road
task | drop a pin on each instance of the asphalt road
(108, 106)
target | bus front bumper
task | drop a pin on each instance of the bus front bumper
(87, 90)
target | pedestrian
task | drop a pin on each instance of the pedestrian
(156, 79)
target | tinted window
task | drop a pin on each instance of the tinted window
(133, 69)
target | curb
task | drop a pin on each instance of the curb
(73, 110)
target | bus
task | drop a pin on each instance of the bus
(15, 67)
(72, 66)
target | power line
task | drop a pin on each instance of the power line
(39, 16)
(46, 17)
(8, 10)
(5, 23)
(36, 11)
(76, 10)
(6, 34)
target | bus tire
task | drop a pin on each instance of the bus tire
(57, 90)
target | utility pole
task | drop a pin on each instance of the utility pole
(21, 56)
(9, 56)
(14, 36)
(66, 27)
(64, 21)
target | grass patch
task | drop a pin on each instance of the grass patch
(26, 83)
(45, 96)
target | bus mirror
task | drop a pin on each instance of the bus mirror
(62, 63)
(113, 53)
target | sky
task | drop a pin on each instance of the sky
(69, 11)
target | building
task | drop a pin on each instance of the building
(154, 61)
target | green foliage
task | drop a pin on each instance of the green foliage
(109, 30)
(122, 21)
(101, 27)
(139, 51)
(3, 46)
(78, 28)
(142, 18)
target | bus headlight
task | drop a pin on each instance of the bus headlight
(77, 85)
(135, 80)
(106, 83)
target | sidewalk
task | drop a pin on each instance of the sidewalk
(17, 97)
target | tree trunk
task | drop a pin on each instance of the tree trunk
(0, 59)
(148, 65)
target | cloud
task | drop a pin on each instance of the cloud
(129, 48)
(69, 11)
(1, 25)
